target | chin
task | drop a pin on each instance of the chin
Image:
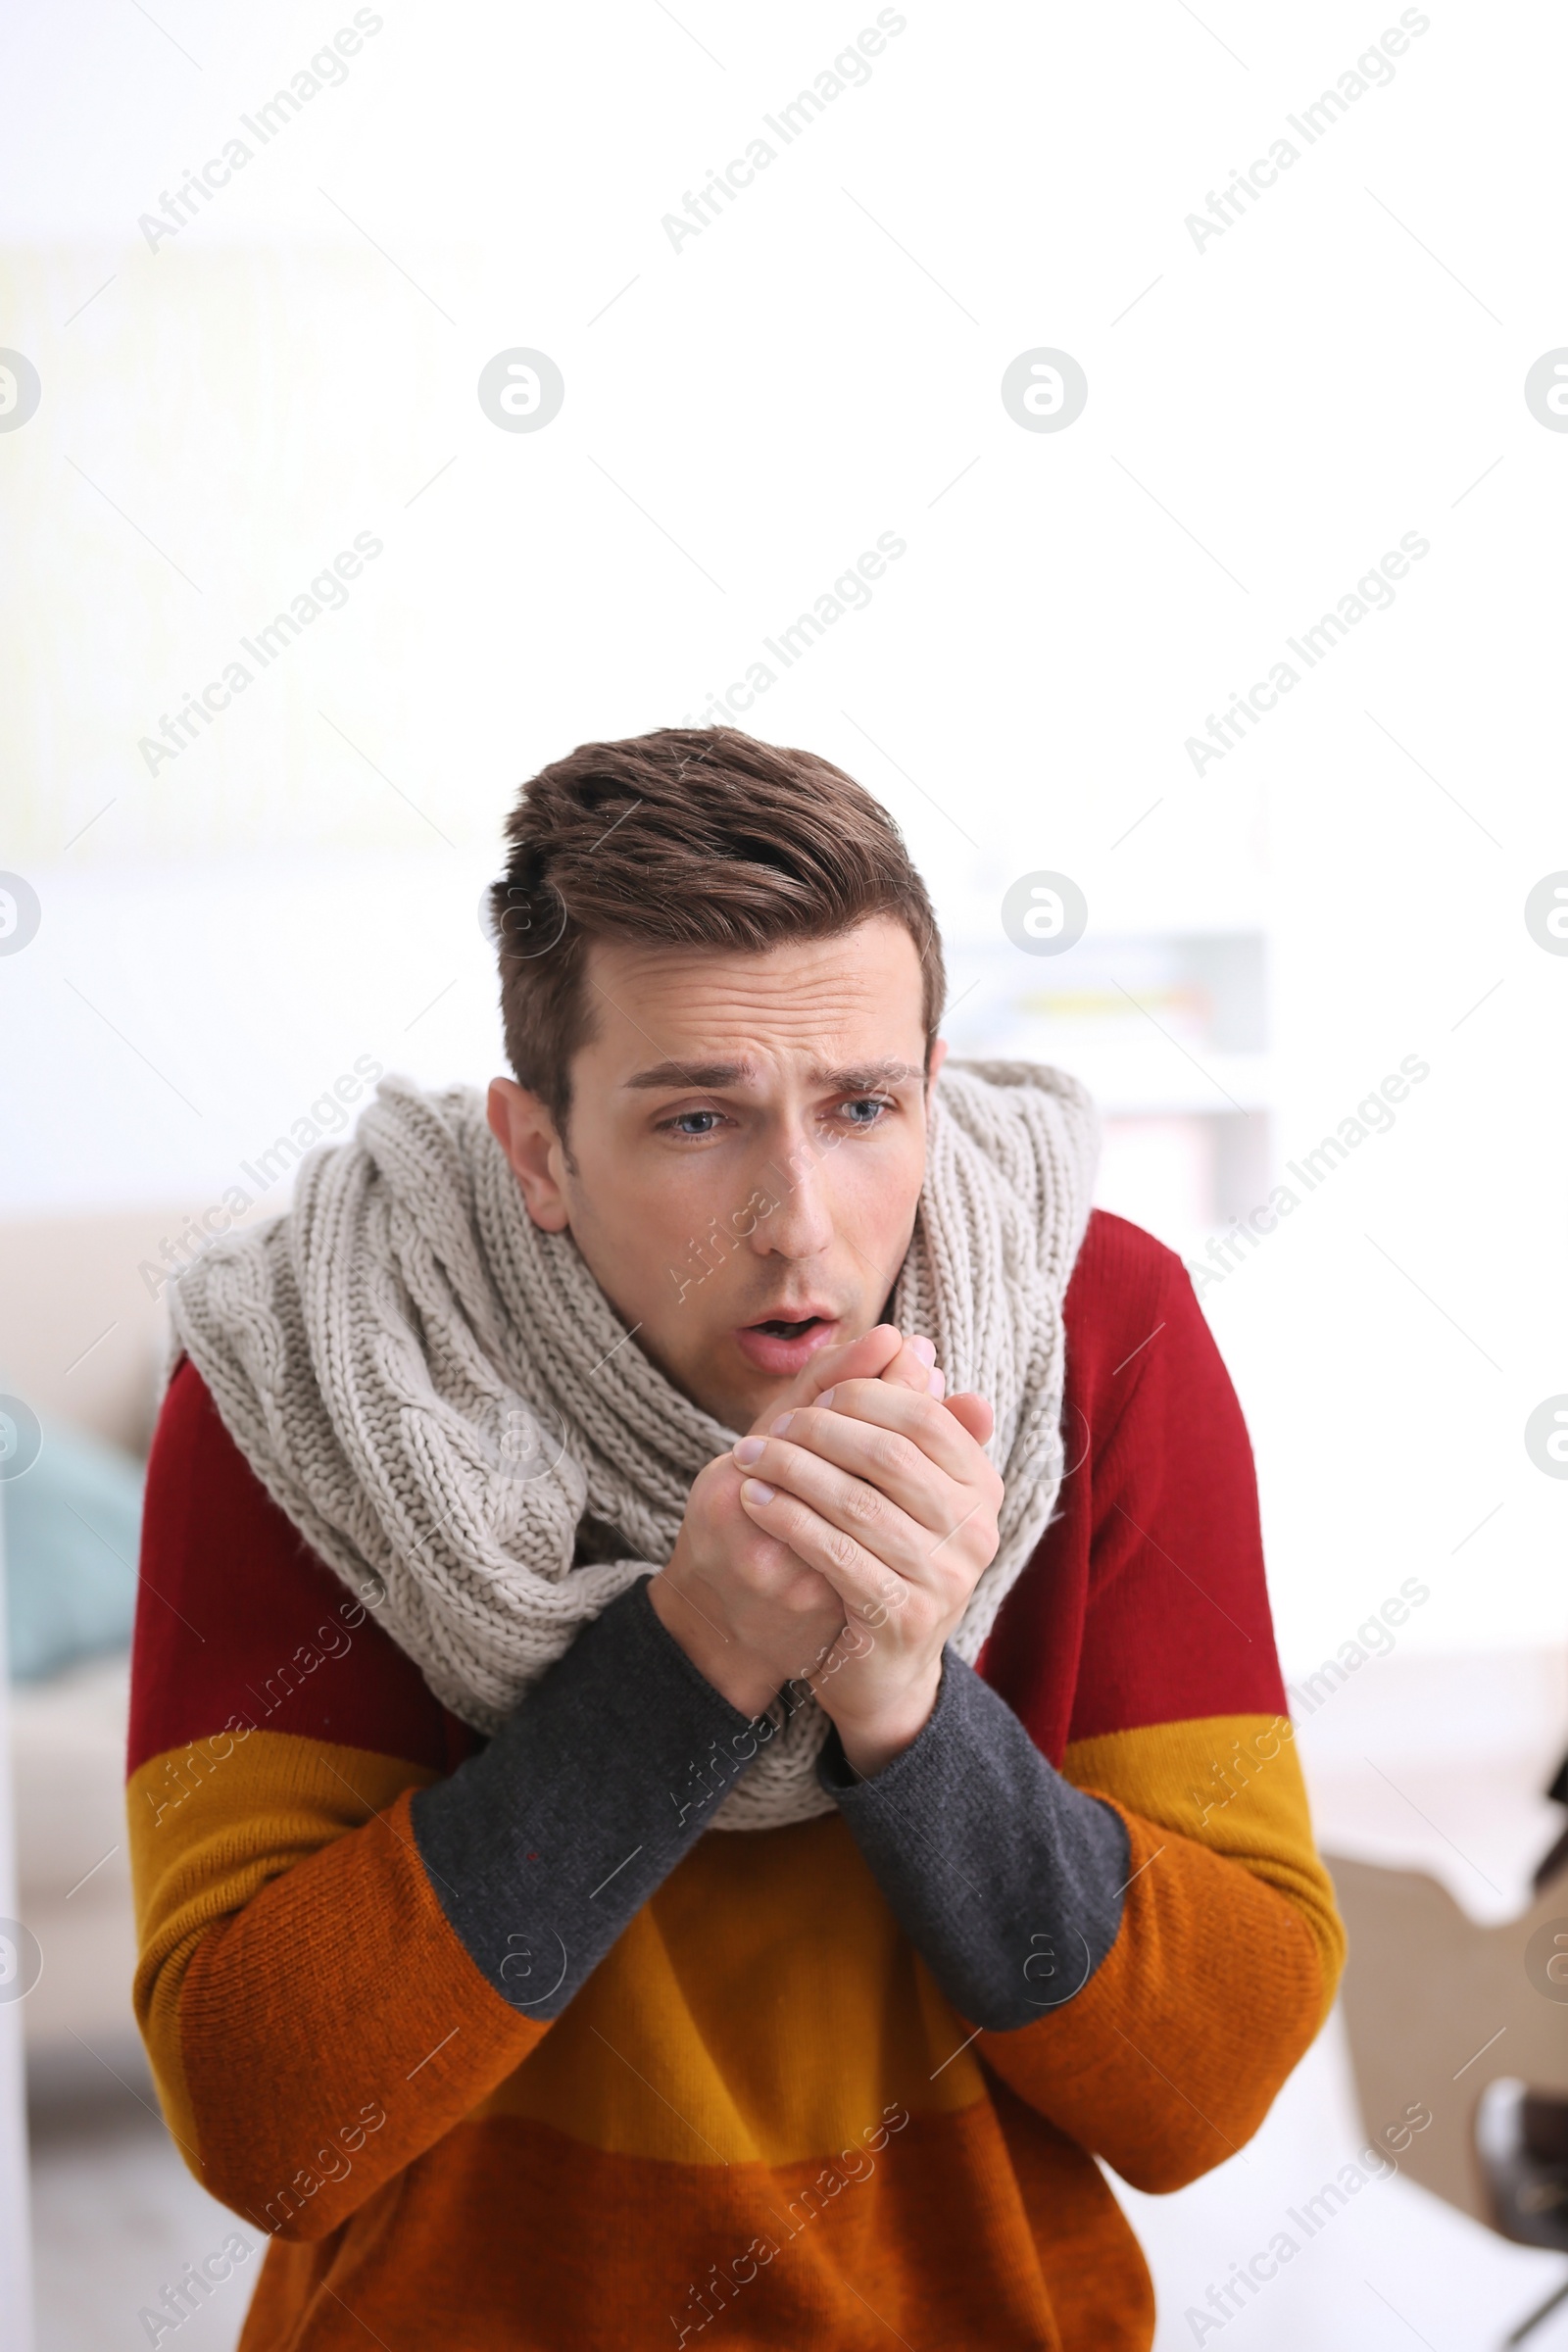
(743, 1398)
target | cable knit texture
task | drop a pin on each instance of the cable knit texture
(437, 1392)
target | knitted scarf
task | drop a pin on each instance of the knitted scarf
(442, 1400)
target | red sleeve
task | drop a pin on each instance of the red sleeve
(216, 1641)
(276, 1736)
(1147, 1601)
(1139, 1650)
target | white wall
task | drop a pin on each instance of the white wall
(818, 366)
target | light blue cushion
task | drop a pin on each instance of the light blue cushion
(73, 1523)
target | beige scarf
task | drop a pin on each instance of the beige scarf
(440, 1397)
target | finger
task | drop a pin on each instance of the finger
(953, 1525)
(859, 1510)
(863, 1358)
(972, 1413)
(884, 1458)
(870, 1589)
(935, 1428)
(765, 1561)
(938, 1555)
(912, 1367)
(882, 1527)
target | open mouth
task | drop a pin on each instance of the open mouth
(781, 1344)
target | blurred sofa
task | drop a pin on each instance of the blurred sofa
(82, 1337)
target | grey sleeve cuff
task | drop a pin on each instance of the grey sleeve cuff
(1006, 1879)
(543, 1847)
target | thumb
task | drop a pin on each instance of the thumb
(865, 1359)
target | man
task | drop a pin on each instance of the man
(706, 1730)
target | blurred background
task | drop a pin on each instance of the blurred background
(243, 854)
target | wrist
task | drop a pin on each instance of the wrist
(735, 1674)
(872, 1742)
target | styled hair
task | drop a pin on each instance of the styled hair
(691, 837)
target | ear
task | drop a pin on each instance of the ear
(522, 1126)
(939, 1054)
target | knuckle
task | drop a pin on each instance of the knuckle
(977, 1540)
(864, 1504)
(842, 1549)
(893, 1452)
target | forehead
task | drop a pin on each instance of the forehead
(812, 997)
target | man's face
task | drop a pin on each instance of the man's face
(748, 1133)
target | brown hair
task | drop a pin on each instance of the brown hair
(687, 837)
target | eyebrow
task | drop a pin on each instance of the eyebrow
(710, 1077)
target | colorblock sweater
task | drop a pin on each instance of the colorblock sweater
(499, 2050)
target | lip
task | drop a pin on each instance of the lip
(779, 1357)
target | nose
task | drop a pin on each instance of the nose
(801, 1224)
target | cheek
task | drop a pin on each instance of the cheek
(873, 1189)
(653, 1230)
(650, 1210)
(620, 1192)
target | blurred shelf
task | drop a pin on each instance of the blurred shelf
(1169, 1032)
(1167, 1022)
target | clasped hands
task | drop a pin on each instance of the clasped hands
(839, 1543)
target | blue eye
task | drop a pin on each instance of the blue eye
(681, 1122)
(874, 1104)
